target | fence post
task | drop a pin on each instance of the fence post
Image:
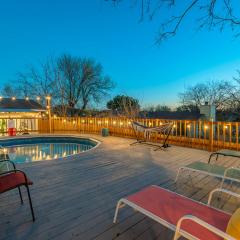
(211, 136)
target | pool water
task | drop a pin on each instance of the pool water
(40, 149)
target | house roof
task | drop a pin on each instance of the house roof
(175, 115)
(20, 105)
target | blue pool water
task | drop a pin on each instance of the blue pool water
(45, 148)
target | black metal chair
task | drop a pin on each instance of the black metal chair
(15, 179)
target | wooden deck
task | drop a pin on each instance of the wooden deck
(76, 198)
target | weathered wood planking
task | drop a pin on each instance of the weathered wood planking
(75, 198)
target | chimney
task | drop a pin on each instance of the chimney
(208, 112)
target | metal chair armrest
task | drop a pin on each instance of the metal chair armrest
(203, 224)
(223, 191)
(9, 161)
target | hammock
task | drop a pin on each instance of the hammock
(164, 129)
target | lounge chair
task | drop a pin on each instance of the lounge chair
(224, 152)
(165, 129)
(186, 217)
(224, 173)
(15, 179)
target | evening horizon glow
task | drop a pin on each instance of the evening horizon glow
(114, 37)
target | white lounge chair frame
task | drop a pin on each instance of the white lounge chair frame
(177, 229)
(223, 177)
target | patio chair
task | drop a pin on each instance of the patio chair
(224, 152)
(165, 129)
(15, 179)
(186, 217)
(224, 173)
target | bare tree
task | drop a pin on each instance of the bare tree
(207, 14)
(39, 81)
(9, 91)
(95, 86)
(218, 93)
(70, 81)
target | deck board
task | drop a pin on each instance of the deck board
(75, 198)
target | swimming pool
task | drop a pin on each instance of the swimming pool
(30, 149)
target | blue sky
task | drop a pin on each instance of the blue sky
(30, 31)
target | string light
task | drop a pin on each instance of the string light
(27, 98)
(83, 121)
(64, 120)
(129, 123)
(106, 121)
(114, 122)
(206, 127)
(38, 98)
(188, 126)
(90, 121)
(121, 123)
(226, 127)
(1, 97)
(13, 98)
(174, 125)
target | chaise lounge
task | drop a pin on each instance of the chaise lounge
(186, 217)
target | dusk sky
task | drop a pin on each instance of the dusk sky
(33, 30)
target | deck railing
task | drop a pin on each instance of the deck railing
(196, 134)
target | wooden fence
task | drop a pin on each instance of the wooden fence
(196, 134)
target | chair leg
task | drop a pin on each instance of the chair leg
(30, 203)
(20, 194)
(179, 170)
(116, 211)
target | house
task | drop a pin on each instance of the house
(20, 114)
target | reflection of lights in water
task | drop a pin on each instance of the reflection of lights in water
(44, 151)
